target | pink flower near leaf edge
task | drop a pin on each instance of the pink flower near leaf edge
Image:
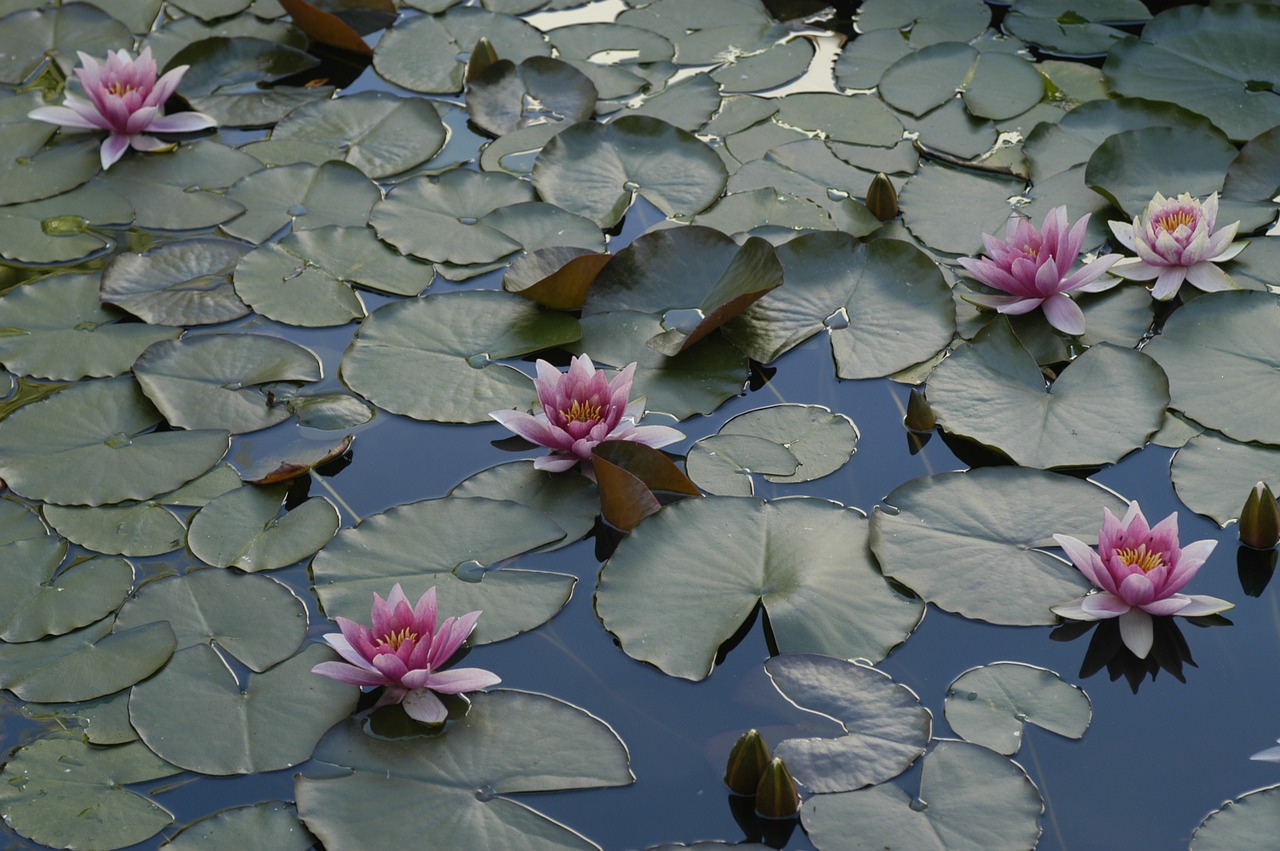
(1138, 571)
(1175, 242)
(404, 651)
(581, 408)
(1034, 268)
(124, 98)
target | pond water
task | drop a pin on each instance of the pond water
(119, 732)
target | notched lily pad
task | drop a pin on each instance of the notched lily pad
(571, 501)
(556, 277)
(1249, 821)
(304, 196)
(180, 283)
(823, 593)
(223, 380)
(990, 705)
(244, 529)
(820, 441)
(268, 824)
(64, 792)
(972, 543)
(886, 728)
(50, 602)
(538, 91)
(459, 781)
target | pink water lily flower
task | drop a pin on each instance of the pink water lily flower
(404, 651)
(581, 408)
(124, 98)
(1034, 268)
(1139, 571)
(1175, 242)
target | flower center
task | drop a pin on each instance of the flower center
(582, 412)
(1031, 250)
(120, 89)
(395, 639)
(1141, 558)
(1172, 221)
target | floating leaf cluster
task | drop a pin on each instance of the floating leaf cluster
(406, 204)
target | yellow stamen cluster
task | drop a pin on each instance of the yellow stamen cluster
(395, 639)
(582, 412)
(120, 89)
(1141, 558)
(1173, 221)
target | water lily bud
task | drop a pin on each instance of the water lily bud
(747, 763)
(882, 198)
(1260, 519)
(919, 414)
(777, 796)
(482, 56)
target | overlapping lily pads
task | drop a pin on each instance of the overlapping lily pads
(434, 358)
(302, 195)
(976, 799)
(447, 543)
(179, 283)
(569, 500)
(1213, 475)
(241, 529)
(223, 380)
(457, 785)
(94, 443)
(806, 560)
(272, 824)
(1249, 821)
(42, 601)
(972, 543)
(1219, 350)
(992, 391)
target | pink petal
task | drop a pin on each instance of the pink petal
(1135, 269)
(66, 117)
(656, 436)
(1137, 632)
(535, 429)
(340, 643)
(1086, 561)
(345, 673)
(1124, 233)
(423, 706)
(1137, 589)
(1104, 605)
(1202, 605)
(1170, 605)
(460, 680)
(113, 148)
(1208, 277)
(1167, 284)
(182, 122)
(1064, 314)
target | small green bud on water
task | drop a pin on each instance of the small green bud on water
(777, 796)
(747, 762)
(882, 198)
(1260, 519)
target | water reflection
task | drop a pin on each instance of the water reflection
(1169, 652)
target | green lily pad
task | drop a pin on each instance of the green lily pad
(808, 168)
(886, 728)
(885, 304)
(173, 192)
(687, 103)
(458, 781)
(763, 209)
(1220, 349)
(571, 501)
(428, 543)
(40, 603)
(241, 529)
(1130, 167)
(56, 328)
(989, 705)
(596, 170)
(280, 281)
(863, 60)
(857, 119)
(1212, 475)
(194, 714)
(1248, 822)
(538, 91)
(1074, 27)
(102, 721)
(588, 40)
(441, 218)
(695, 277)
(222, 380)
(723, 464)
(179, 283)
(368, 130)
(433, 358)
(62, 228)
(1255, 172)
(677, 18)
(222, 63)
(88, 663)
(930, 198)
(427, 54)
(131, 529)
(1216, 62)
(93, 443)
(30, 176)
(329, 411)
(30, 36)
(303, 195)
(992, 391)
(63, 792)
(696, 381)
(212, 9)
(927, 78)
(555, 277)
(976, 799)
(266, 824)
(255, 619)
(774, 66)
(259, 108)
(1002, 85)
(820, 441)
(531, 225)
(953, 131)
(822, 592)
(972, 543)
(930, 21)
